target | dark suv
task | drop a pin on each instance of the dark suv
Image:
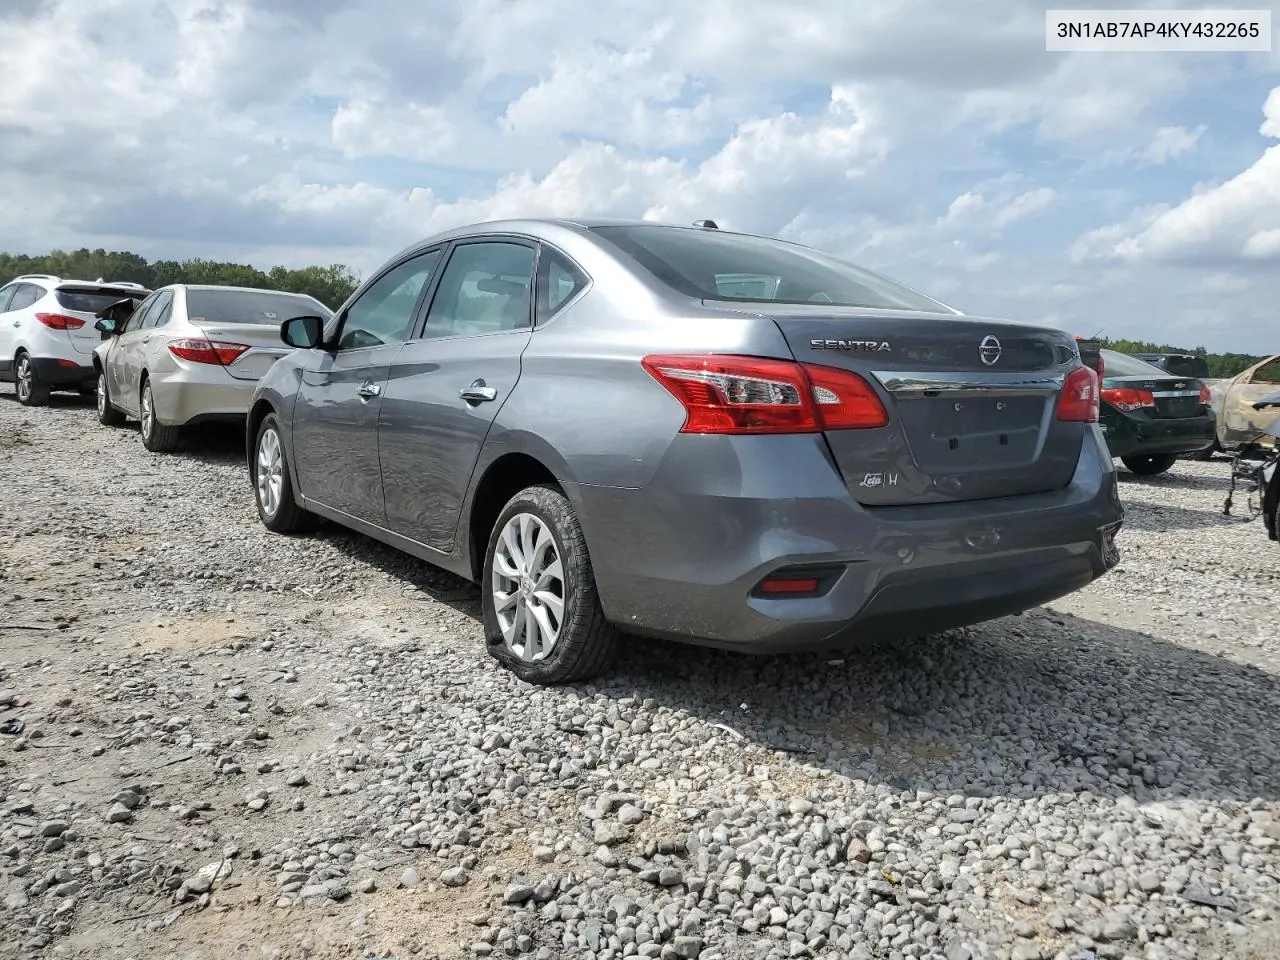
(1178, 364)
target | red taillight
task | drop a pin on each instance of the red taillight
(1205, 398)
(207, 351)
(1078, 402)
(1102, 369)
(777, 585)
(60, 321)
(1128, 399)
(737, 395)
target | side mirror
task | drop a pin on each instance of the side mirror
(304, 332)
(107, 325)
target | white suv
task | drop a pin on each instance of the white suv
(47, 335)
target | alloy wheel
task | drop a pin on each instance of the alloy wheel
(270, 478)
(528, 586)
(102, 394)
(148, 412)
(22, 381)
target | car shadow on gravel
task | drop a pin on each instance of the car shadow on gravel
(1179, 481)
(1158, 518)
(1027, 706)
(1035, 705)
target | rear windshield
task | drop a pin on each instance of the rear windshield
(250, 306)
(86, 302)
(1186, 366)
(1123, 365)
(711, 265)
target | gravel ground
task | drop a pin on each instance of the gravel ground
(217, 742)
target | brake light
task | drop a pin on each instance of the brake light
(207, 351)
(60, 321)
(1128, 399)
(749, 395)
(1204, 396)
(1102, 369)
(1078, 402)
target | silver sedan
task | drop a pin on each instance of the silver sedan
(189, 354)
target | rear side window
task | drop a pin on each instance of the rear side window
(6, 294)
(267, 307)
(559, 280)
(159, 312)
(711, 265)
(25, 296)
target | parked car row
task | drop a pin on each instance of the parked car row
(622, 427)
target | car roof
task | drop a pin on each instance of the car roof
(228, 287)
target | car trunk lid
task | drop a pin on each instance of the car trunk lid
(1163, 398)
(971, 402)
(262, 344)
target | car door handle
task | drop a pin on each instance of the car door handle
(369, 389)
(146, 339)
(478, 393)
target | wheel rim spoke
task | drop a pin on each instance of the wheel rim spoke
(527, 587)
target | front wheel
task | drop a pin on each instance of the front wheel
(108, 415)
(542, 615)
(1149, 466)
(26, 382)
(156, 437)
(272, 488)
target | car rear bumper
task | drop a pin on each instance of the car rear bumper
(683, 557)
(65, 373)
(190, 395)
(1130, 436)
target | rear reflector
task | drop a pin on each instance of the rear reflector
(776, 585)
(750, 395)
(207, 351)
(67, 363)
(60, 321)
(1128, 399)
(1078, 402)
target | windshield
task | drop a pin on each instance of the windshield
(1123, 365)
(711, 265)
(251, 306)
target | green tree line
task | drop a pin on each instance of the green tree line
(330, 285)
(1220, 364)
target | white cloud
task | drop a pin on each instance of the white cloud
(1234, 220)
(370, 128)
(1171, 142)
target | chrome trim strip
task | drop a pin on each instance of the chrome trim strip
(949, 381)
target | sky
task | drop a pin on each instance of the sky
(1133, 195)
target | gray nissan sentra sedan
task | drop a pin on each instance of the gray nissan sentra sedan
(683, 432)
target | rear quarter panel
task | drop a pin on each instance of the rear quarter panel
(583, 400)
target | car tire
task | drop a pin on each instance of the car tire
(26, 382)
(536, 534)
(273, 489)
(156, 437)
(1150, 466)
(108, 415)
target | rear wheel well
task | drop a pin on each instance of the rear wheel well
(506, 477)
